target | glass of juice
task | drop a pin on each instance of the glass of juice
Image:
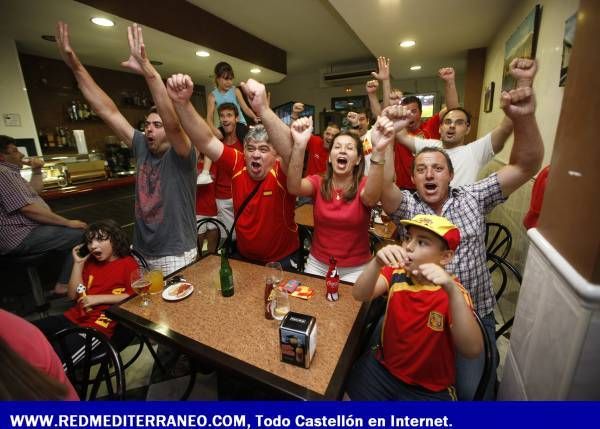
(155, 275)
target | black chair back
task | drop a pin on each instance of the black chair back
(504, 271)
(96, 350)
(305, 238)
(498, 239)
(375, 242)
(220, 227)
(139, 257)
(486, 375)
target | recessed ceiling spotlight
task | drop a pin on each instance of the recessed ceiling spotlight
(414, 68)
(49, 38)
(202, 54)
(348, 90)
(156, 63)
(102, 22)
(255, 70)
(407, 43)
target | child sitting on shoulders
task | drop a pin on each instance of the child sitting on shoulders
(99, 279)
(429, 315)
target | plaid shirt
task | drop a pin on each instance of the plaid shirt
(15, 193)
(466, 208)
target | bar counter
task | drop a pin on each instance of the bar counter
(86, 188)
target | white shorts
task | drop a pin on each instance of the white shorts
(225, 215)
(347, 274)
(170, 264)
(207, 226)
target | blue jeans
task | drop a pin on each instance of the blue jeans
(48, 238)
(468, 371)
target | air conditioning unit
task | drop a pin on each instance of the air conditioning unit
(347, 74)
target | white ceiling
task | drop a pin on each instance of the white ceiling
(314, 33)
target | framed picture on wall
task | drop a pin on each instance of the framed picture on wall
(488, 99)
(567, 46)
(521, 44)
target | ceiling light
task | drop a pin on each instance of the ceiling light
(102, 22)
(414, 68)
(348, 90)
(255, 70)
(407, 43)
(49, 38)
(156, 63)
(202, 54)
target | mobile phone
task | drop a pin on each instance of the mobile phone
(83, 251)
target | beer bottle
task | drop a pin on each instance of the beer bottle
(268, 298)
(226, 275)
(332, 280)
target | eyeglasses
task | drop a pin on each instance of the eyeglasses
(157, 124)
(458, 122)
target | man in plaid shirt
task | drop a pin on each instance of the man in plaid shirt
(27, 225)
(466, 206)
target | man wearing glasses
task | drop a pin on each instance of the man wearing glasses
(165, 185)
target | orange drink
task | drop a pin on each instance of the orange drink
(155, 277)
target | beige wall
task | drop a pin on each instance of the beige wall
(306, 88)
(14, 94)
(549, 99)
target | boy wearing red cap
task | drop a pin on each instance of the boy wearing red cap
(429, 315)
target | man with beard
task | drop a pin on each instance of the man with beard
(165, 185)
(264, 209)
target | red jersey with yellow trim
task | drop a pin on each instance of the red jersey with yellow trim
(266, 230)
(110, 278)
(416, 339)
(223, 183)
(317, 156)
(206, 203)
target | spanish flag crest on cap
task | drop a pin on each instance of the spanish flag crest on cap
(438, 225)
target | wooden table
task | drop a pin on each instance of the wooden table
(233, 334)
(304, 216)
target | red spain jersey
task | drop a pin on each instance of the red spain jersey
(317, 156)
(110, 278)
(206, 203)
(223, 183)
(416, 339)
(266, 230)
(403, 159)
(430, 129)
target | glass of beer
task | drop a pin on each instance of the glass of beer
(140, 283)
(155, 275)
(282, 303)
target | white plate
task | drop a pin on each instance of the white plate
(171, 293)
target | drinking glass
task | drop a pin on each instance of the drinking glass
(275, 272)
(155, 276)
(140, 283)
(282, 304)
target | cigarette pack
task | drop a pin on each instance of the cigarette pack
(298, 338)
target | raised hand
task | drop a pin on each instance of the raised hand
(137, 50)
(383, 67)
(437, 275)
(64, 45)
(372, 86)
(523, 71)
(392, 256)
(518, 102)
(382, 133)
(257, 95)
(396, 96)
(298, 108)
(446, 74)
(34, 162)
(352, 118)
(399, 115)
(301, 130)
(180, 88)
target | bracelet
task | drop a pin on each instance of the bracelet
(382, 162)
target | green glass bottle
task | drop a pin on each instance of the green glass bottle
(226, 275)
